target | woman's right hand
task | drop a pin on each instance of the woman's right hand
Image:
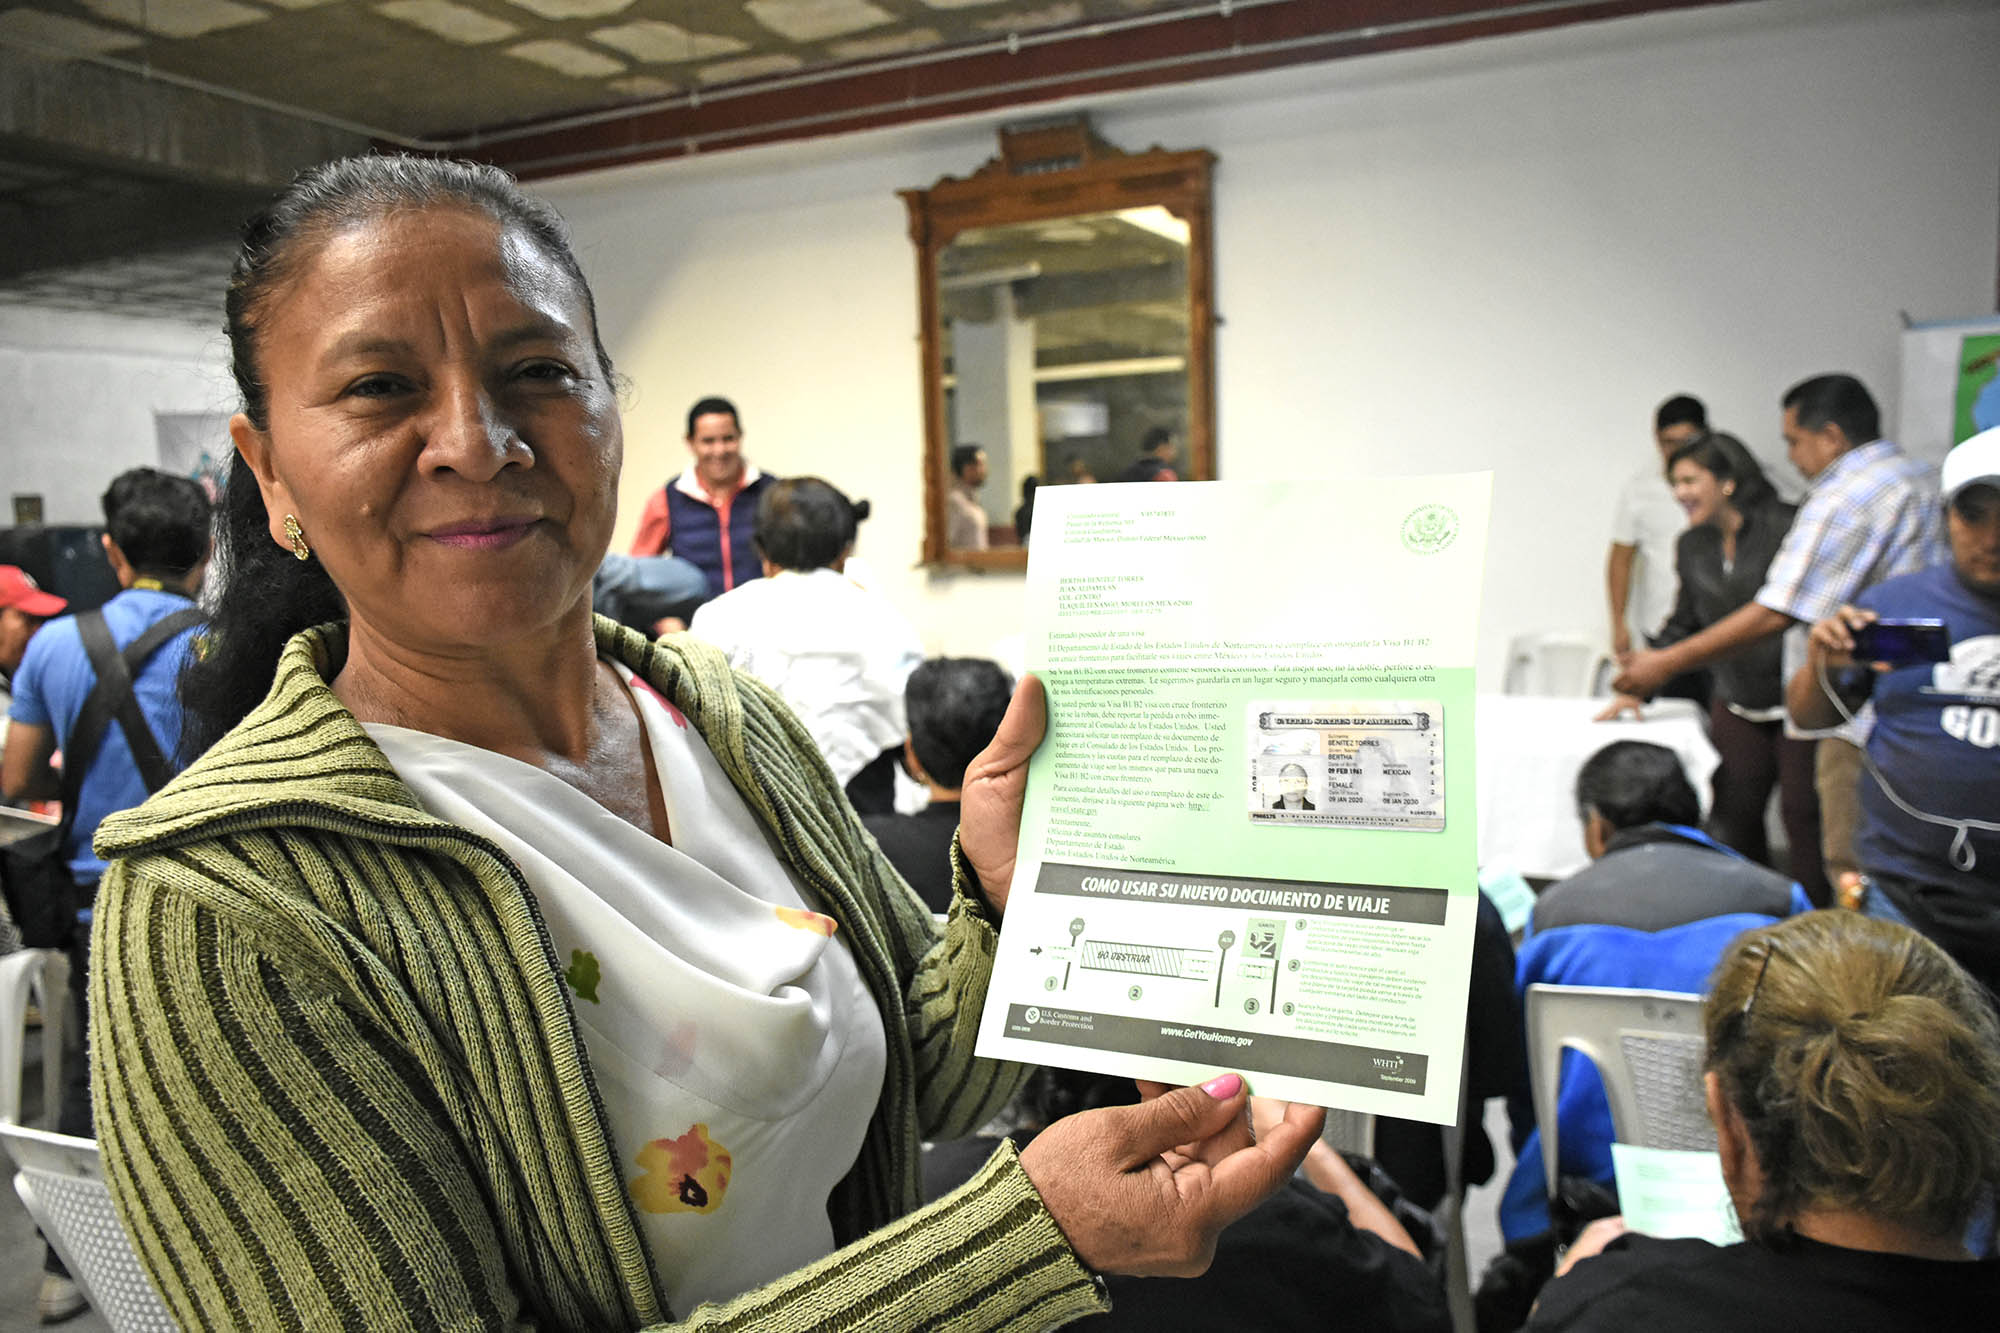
(1622, 704)
(1145, 1190)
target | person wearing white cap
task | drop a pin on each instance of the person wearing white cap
(1928, 842)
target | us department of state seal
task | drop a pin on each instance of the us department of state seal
(1428, 529)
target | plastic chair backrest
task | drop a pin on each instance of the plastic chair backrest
(61, 1181)
(1647, 1046)
(1350, 1131)
(44, 973)
(1565, 665)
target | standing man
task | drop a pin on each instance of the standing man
(1871, 513)
(707, 514)
(157, 540)
(1639, 575)
(964, 516)
(1929, 802)
(1158, 454)
(23, 608)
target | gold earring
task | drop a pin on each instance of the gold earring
(297, 536)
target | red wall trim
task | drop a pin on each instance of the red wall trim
(1262, 37)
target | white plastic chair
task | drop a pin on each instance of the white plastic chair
(1565, 665)
(44, 973)
(1647, 1046)
(61, 1181)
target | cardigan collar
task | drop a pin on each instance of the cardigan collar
(300, 757)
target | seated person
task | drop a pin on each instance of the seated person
(654, 594)
(1652, 911)
(1323, 1243)
(1853, 1075)
(1930, 754)
(839, 653)
(954, 706)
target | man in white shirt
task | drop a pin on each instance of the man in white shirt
(965, 517)
(1640, 572)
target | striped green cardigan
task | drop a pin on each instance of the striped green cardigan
(338, 1083)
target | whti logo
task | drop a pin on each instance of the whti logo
(1389, 1063)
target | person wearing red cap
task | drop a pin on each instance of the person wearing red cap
(23, 608)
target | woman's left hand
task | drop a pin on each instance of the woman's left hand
(989, 822)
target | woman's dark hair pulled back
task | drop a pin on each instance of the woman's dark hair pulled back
(804, 523)
(267, 595)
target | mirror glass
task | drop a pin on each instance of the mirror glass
(1065, 349)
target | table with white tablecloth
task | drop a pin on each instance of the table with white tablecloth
(1529, 750)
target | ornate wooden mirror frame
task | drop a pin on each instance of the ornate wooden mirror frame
(1044, 173)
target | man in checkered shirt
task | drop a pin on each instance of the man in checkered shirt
(1871, 513)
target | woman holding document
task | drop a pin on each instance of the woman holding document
(502, 969)
(1853, 1075)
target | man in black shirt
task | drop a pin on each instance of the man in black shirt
(954, 705)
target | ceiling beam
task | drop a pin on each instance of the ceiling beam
(81, 113)
(1221, 39)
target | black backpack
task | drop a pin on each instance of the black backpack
(42, 896)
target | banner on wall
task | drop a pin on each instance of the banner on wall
(1951, 384)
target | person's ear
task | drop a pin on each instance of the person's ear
(255, 447)
(1597, 832)
(1741, 1172)
(910, 764)
(120, 566)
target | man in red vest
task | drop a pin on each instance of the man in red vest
(707, 513)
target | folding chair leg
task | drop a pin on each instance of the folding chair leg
(54, 987)
(1457, 1262)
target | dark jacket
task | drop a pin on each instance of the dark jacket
(1658, 876)
(1754, 677)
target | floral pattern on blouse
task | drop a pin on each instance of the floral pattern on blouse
(689, 1174)
(799, 919)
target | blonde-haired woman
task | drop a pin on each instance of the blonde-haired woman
(1853, 1074)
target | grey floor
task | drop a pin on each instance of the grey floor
(21, 1273)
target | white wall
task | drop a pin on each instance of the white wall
(79, 393)
(1497, 255)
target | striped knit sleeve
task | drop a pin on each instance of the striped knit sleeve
(986, 1258)
(280, 1163)
(957, 1092)
(276, 1164)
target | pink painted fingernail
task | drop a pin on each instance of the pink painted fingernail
(1223, 1088)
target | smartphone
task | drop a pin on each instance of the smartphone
(1903, 642)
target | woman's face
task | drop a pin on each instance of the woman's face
(1700, 494)
(441, 428)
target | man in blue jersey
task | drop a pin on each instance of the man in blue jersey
(1929, 838)
(157, 540)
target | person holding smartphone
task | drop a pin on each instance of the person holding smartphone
(1931, 789)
